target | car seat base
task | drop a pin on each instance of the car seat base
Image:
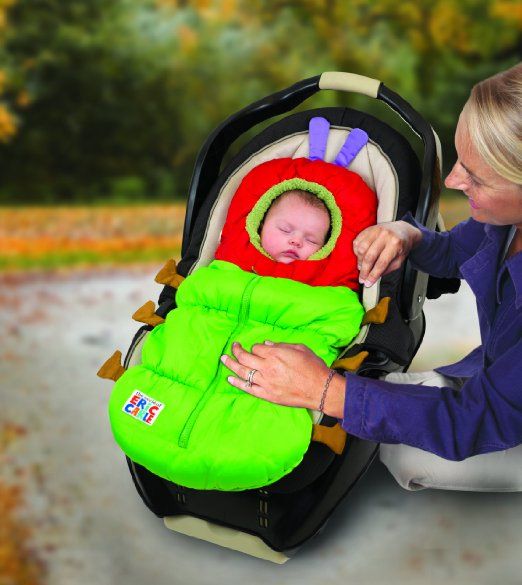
(223, 536)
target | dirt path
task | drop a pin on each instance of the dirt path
(71, 516)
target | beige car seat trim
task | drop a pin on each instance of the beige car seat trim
(349, 82)
(223, 536)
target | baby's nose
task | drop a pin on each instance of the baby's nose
(296, 240)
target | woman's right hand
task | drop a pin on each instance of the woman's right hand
(382, 248)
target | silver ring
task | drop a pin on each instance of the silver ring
(250, 378)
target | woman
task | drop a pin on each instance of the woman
(445, 428)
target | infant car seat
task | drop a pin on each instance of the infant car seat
(273, 521)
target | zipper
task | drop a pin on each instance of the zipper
(243, 315)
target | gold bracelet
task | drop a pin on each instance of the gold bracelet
(325, 390)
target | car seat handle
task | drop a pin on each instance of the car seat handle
(349, 82)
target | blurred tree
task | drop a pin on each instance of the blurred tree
(430, 51)
(7, 119)
(99, 98)
(118, 89)
(94, 91)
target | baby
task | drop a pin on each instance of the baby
(295, 227)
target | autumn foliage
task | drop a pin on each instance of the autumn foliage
(43, 238)
(19, 562)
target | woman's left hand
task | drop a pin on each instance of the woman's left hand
(285, 373)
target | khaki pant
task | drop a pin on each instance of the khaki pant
(415, 469)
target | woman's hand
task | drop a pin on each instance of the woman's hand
(285, 373)
(382, 248)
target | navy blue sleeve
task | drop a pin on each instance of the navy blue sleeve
(441, 254)
(484, 415)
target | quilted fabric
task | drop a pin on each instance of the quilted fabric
(205, 433)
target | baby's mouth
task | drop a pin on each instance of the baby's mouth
(291, 254)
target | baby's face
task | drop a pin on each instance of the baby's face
(294, 229)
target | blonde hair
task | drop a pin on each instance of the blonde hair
(493, 114)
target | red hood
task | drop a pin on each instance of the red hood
(355, 200)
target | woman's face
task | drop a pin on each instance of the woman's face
(492, 198)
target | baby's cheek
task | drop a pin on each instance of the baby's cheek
(311, 249)
(266, 242)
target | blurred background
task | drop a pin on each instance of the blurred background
(103, 108)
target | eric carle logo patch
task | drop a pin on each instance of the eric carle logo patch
(143, 407)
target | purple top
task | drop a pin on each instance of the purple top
(486, 414)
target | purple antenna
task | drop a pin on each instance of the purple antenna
(353, 144)
(318, 129)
